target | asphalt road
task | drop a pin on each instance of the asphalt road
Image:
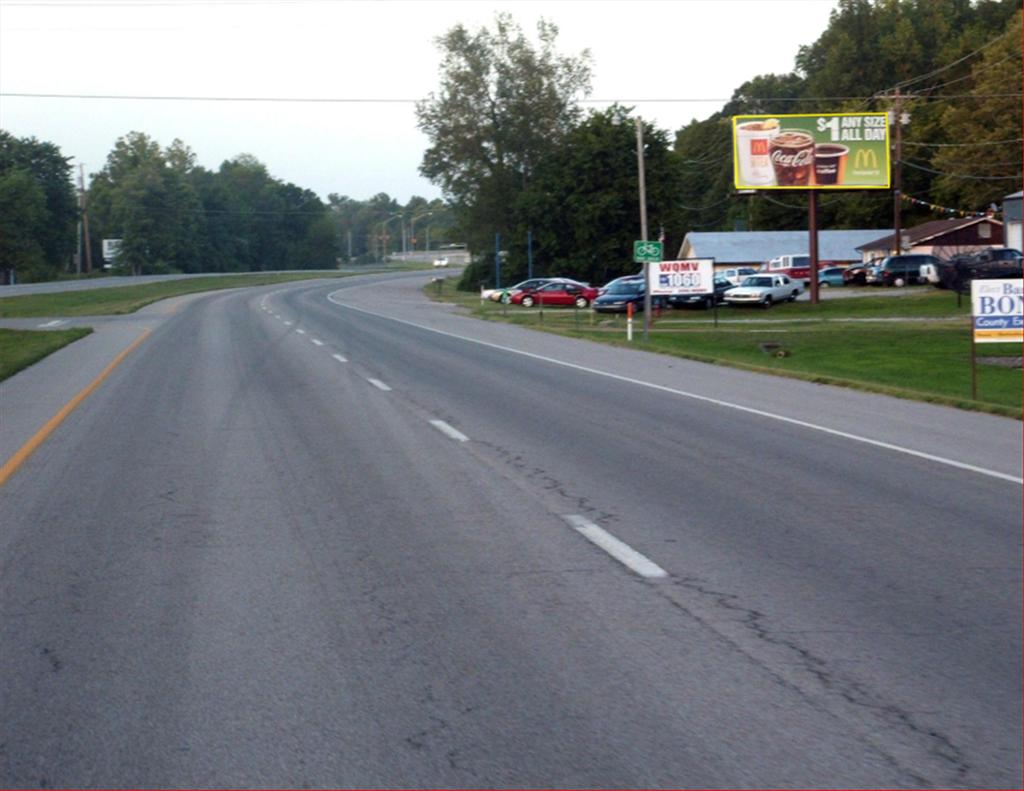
(331, 535)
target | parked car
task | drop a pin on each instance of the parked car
(736, 275)
(856, 274)
(502, 294)
(831, 276)
(1004, 262)
(566, 292)
(764, 290)
(706, 301)
(619, 294)
(899, 270)
(611, 283)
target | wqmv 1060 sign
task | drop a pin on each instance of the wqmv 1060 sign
(837, 151)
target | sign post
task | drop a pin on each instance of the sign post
(997, 316)
(647, 253)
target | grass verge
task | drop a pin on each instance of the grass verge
(21, 348)
(916, 345)
(119, 300)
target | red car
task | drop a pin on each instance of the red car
(557, 293)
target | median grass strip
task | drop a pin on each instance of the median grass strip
(915, 345)
(119, 300)
(21, 348)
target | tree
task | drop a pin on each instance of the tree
(53, 231)
(145, 199)
(977, 167)
(582, 206)
(23, 219)
(502, 106)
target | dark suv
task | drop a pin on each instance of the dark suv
(900, 270)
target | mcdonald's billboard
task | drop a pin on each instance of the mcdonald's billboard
(784, 152)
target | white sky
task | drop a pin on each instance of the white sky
(368, 49)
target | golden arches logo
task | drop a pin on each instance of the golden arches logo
(865, 158)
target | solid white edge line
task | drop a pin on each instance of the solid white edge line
(444, 428)
(339, 358)
(706, 399)
(619, 550)
(378, 384)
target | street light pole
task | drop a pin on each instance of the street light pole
(412, 228)
(384, 236)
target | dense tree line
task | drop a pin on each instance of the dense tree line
(572, 181)
(173, 215)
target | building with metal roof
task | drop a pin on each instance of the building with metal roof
(753, 248)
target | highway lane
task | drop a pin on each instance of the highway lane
(242, 562)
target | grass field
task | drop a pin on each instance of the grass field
(21, 348)
(915, 345)
(128, 299)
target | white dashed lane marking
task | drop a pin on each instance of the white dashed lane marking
(622, 552)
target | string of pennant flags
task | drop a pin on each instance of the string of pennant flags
(947, 209)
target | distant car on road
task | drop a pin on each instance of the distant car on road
(442, 261)
(831, 276)
(706, 301)
(764, 290)
(565, 292)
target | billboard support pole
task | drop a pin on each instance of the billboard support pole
(812, 222)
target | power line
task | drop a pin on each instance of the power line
(965, 145)
(968, 176)
(948, 66)
(385, 100)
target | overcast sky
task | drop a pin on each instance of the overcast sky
(675, 51)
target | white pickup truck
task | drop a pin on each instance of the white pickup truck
(765, 290)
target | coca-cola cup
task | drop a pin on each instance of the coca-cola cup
(792, 155)
(752, 152)
(830, 163)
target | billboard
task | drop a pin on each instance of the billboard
(837, 151)
(675, 278)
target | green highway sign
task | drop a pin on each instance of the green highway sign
(646, 252)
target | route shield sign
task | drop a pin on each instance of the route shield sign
(646, 252)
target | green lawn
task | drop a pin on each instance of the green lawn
(21, 348)
(915, 345)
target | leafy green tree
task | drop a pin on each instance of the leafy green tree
(503, 104)
(976, 167)
(583, 203)
(146, 200)
(23, 218)
(51, 172)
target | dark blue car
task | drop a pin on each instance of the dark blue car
(621, 293)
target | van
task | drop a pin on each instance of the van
(797, 267)
(900, 270)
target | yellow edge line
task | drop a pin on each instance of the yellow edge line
(12, 464)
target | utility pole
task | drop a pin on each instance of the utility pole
(84, 206)
(898, 118)
(643, 222)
